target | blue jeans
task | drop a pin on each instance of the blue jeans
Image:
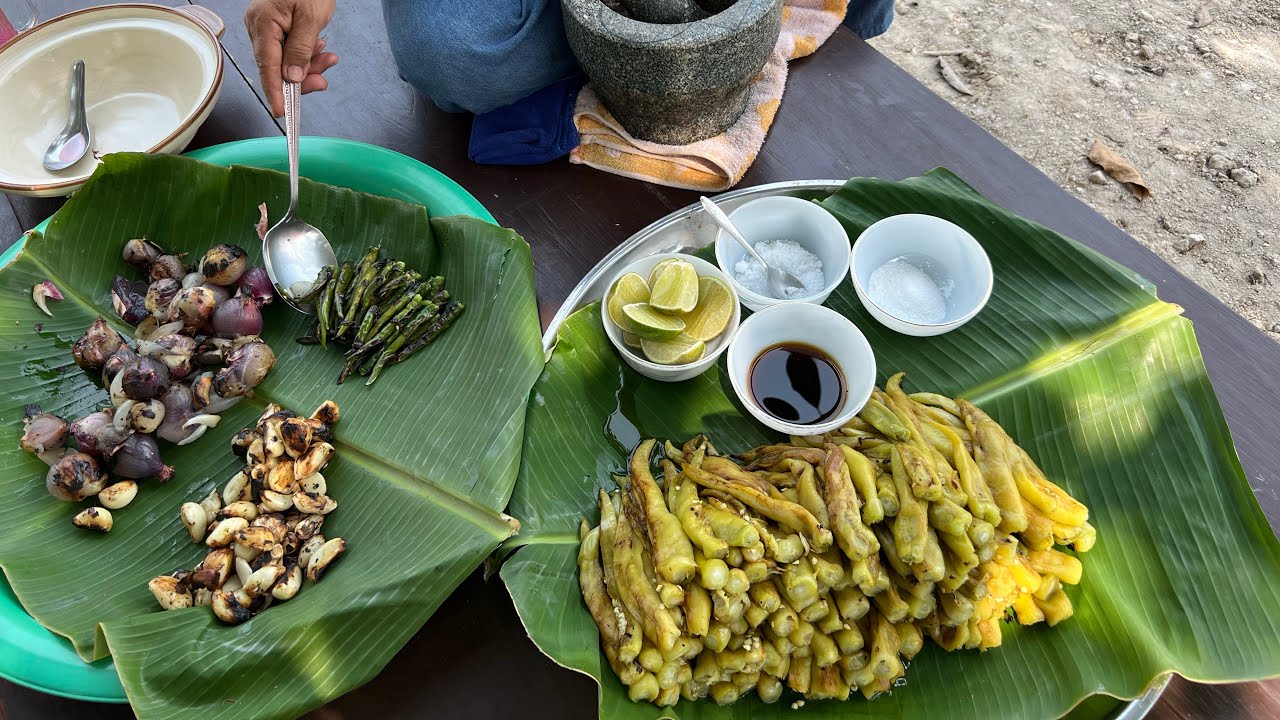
(477, 55)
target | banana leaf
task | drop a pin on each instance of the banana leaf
(1098, 379)
(426, 458)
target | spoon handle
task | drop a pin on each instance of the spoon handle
(292, 128)
(77, 111)
(727, 225)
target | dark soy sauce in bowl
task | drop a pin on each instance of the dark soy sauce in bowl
(797, 383)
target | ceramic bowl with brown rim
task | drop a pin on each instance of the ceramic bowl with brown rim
(152, 76)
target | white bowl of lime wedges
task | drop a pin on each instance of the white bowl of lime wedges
(671, 315)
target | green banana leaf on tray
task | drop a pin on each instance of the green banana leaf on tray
(426, 458)
(1100, 381)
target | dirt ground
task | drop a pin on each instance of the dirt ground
(1192, 108)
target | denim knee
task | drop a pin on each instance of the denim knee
(476, 56)
(869, 18)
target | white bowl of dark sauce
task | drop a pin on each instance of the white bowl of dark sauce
(801, 369)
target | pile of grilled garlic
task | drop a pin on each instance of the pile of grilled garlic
(263, 531)
(823, 564)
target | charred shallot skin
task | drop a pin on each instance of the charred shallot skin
(263, 528)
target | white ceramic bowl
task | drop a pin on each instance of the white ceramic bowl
(813, 325)
(940, 248)
(152, 75)
(670, 373)
(778, 218)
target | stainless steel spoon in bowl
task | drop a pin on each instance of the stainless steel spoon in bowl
(780, 281)
(73, 142)
(293, 251)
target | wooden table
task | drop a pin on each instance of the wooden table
(848, 111)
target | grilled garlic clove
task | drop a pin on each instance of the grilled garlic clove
(272, 556)
(309, 526)
(258, 538)
(271, 409)
(281, 479)
(319, 431)
(243, 571)
(241, 441)
(322, 559)
(202, 597)
(288, 584)
(295, 433)
(314, 485)
(327, 413)
(235, 487)
(272, 441)
(146, 416)
(171, 593)
(314, 504)
(225, 532)
(272, 523)
(256, 454)
(290, 542)
(262, 580)
(309, 549)
(212, 503)
(241, 509)
(244, 551)
(195, 520)
(214, 570)
(272, 501)
(94, 518)
(314, 461)
(117, 496)
(227, 608)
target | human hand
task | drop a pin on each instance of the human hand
(287, 45)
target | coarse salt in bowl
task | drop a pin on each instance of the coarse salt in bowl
(920, 253)
(785, 218)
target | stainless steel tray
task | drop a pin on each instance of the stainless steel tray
(687, 230)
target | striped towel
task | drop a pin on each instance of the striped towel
(719, 162)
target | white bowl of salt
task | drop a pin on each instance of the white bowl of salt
(794, 235)
(919, 274)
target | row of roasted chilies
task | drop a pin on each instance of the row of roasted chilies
(263, 529)
(822, 564)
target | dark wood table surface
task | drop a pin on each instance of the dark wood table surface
(848, 112)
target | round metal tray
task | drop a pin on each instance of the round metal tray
(687, 230)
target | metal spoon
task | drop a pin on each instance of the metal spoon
(73, 142)
(780, 281)
(294, 252)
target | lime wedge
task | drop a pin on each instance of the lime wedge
(676, 290)
(657, 270)
(630, 339)
(680, 351)
(713, 312)
(629, 288)
(650, 324)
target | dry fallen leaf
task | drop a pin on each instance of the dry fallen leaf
(1119, 168)
(1203, 18)
(952, 77)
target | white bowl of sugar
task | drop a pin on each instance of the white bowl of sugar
(919, 274)
(795, 235)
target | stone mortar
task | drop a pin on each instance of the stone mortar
(673, 83)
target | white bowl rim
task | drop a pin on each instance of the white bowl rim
(641, 359)
(200, 108)
(846, 414)
(757, 297)
(977, 308)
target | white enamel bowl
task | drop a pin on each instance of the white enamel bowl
(152, 75)
(670, 373)
(816, 326)
(946, 250)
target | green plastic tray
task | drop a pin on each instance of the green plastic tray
(32, 656)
